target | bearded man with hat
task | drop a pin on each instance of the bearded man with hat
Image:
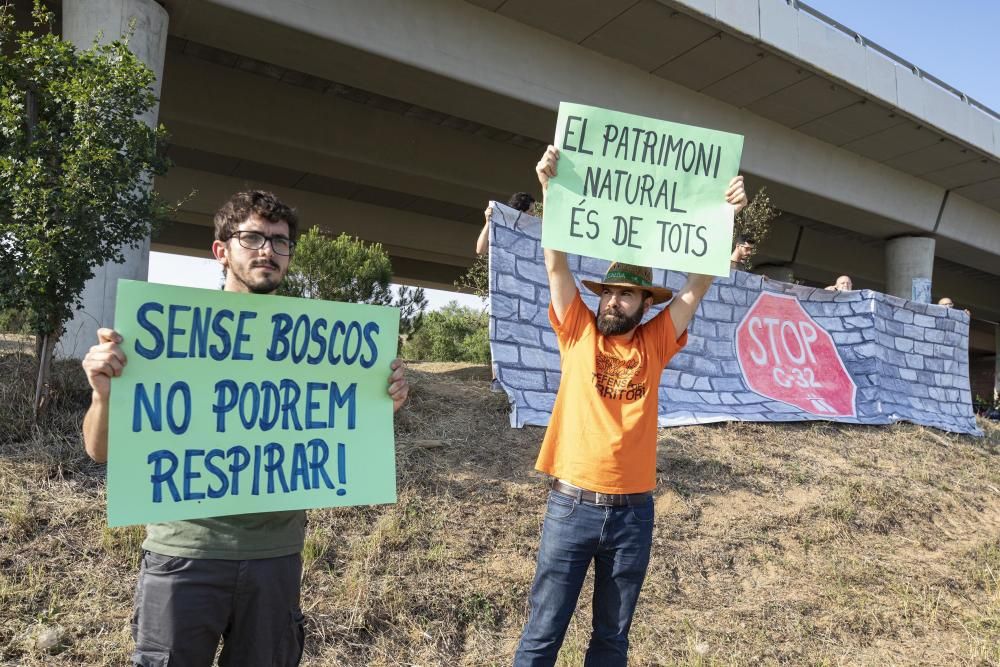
(600, 446)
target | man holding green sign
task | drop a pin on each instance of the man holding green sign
(235, 414)
(600, 445)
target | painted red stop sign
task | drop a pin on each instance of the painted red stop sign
(785, 355)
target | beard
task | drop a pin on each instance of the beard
(257, 284)
(615, 322)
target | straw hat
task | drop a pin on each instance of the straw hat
(630, 275)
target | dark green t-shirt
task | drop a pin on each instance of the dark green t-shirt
(236, 537)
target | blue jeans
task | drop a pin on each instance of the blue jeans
(618, 540)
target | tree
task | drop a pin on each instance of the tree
(76, 166)
(755, 220)
(411, 303)
(347, 269)
(14, 321)
(477, 279)
(454, 333)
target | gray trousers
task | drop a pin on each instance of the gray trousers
(184, 606)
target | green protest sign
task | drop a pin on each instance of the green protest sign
(641, 190)
(240, 403)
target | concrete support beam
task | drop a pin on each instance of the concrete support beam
(303, 130)
(909, 267)
(487, 68)
(969, 233)
(82, 23)
(487, 52)
(816, 255)
(403, 233)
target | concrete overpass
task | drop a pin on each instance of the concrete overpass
(397, 121)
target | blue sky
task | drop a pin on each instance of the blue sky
(954, 40)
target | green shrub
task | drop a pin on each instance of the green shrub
(454, 333)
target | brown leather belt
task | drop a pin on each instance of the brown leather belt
(598, 498)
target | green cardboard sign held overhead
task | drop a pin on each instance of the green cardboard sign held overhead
(240, 403)
(641, 190)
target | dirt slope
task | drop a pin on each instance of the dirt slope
(797, 544)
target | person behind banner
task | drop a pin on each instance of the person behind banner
(600, 446)
(519, 201)
(947, 302)
(843, 284)
(230, 578)
(742, 251)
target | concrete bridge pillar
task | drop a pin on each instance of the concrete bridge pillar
(909, 267)
(83, 21)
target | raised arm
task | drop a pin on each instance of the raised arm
(686, 301)
(483, 242)
(562, 287)
(103, 362)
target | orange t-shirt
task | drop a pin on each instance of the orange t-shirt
(602, 435)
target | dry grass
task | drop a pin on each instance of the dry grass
(798, 544)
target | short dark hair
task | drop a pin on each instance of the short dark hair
(242, 205)
(745, 238)
(521, 201)
(646, 294)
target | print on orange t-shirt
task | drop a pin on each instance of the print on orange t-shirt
(602, 434)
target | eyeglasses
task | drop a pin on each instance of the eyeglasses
(281, 245)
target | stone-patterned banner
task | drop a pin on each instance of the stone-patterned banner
(758, 349)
